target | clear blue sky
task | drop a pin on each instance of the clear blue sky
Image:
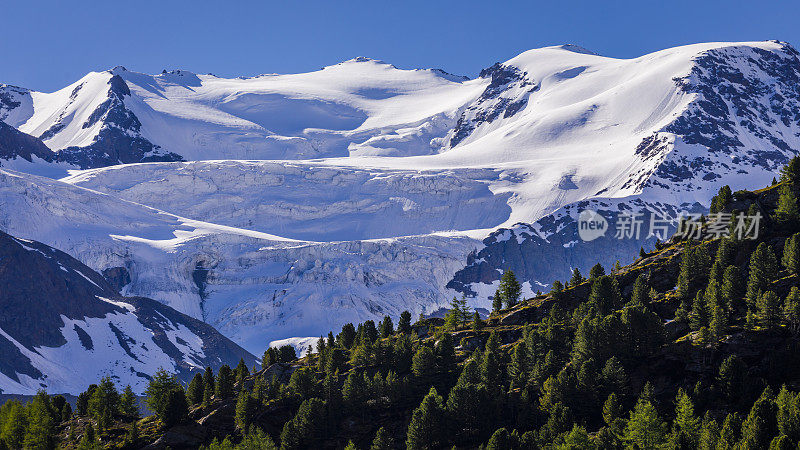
(47, 44)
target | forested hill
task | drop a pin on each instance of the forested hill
(694, 345)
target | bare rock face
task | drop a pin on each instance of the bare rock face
(14, 143)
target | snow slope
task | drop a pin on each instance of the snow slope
(64, 327)
(382, 184)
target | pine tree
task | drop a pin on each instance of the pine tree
(721, 200)
(244, 410)
(129, 405)
(241, 371)
(709, 434)
(769, 309)
(208, 385)
(791, 310)
(763, 266)
(176, 408)
(347, 336)
(596, 271)
(731, 290)
(382, 441)
(404, 325)
(787, 210)
(760, 425)
(224, 387)
(477, 323)
(731, 378)
(640, 291)
(788, 415)
(686, 426)
(497, 301)
(791, 254)
(41, 426)
(645, 428)
(104, 403)
(387, 327)
(612, 410)
(577, 278)
(518, 369)
(605, 294)
(194, 393)
(509, 288)
(426, 427)
(160, 398)
(791, 171)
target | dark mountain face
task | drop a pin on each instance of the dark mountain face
(119, 140)
(41, 288)
(14, 143)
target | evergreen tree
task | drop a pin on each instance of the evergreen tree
(721, 200)
(699, 315)
(194, 393)
(104, 403)
(787, 211)
(208, 385)
(477, 323)
(709, 434)
(382, 441)
(129, 405)
(760, 426)
(497, 301)
(731, 378)
(426, 429)
(176, 408)
(577, 278)
(788, 415)
(40, 428)
(791, 309)
(731, 290)
(791, 254)
(596, 271)
(387, 327)
(509, 289)
(763, 266)
(347, 336)
(605, 294)
(404, 325)
(241, 371)
(639, 295)
(89, 439)
(224, 387)
(790, 173)
(769, 309)
(686, 426)
(244, 410)
(645, 428)
(160, 398)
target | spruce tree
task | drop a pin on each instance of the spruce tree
(497, 301)
(426, 429)
(404, 325)
(509, 288)
(129, 404)
(769, 309)
(760, 426)
(243, 413)
(787, 211)
(162, 397)
(640, 290)
(596, 271)
(387, 327)
(208, 385)
(577, 278)
(477, 323)
(224, 387)
(194, 393)
(382, 441)
(645, 428)
(790, 173)
(762, 269)
(686, 426)
(791, 254)
(791, 309)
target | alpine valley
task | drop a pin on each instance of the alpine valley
(279, 207)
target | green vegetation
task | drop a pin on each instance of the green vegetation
(694, 345)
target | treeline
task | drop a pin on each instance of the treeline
(693, 346)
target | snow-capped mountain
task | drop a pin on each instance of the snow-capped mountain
(306, 201)
(63, 327)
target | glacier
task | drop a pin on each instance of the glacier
(296, 203)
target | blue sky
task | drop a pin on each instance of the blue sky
(47, 44)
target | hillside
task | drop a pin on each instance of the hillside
(693, 345)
